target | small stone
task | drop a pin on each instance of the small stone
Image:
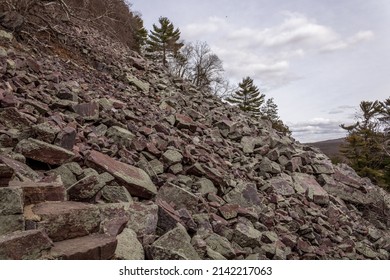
(171, 157)
(120, 135)
(88, 111)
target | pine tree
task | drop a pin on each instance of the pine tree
(140, 33)
(367, 141)
(164, 38)
(270, 110)
(248, 97)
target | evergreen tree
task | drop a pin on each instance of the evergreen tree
(140, 33)
(247, 97)
(270, 111)
(366, 143)
(164, 39)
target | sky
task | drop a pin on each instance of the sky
(317, 59)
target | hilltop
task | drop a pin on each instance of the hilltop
(331, 148)
(105, 155)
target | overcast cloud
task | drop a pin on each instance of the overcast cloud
(317, 59)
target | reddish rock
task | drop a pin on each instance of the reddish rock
(91, 247)
(183, 121)
(85, 189)
(7, 99)
(167, 216)
(178, 197)
(313, 189)
(143, 218)
(89, 111)
(64, 220)
(19, 168)
(136, 181)
(6, 174)
(44, 152)
(12, 118)
(50, 189)
(229, 211)
(66, 138)
(24, 245)
(114, 226)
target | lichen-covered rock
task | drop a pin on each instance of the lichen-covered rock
(44, 152)
(63, 220)
(173, 245)
(24, 245)
(136, 181)
(128, 247)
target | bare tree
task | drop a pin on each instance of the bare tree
(207, 67)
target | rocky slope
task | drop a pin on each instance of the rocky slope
(104, 155)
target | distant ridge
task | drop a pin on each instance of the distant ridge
(331, 148)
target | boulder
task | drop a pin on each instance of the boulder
(24, 245)
(173, 245)
(88, 111)
(313, 189)
(136, 181)
(120, 136)
(91, 247)
(63, 220)
(128, 247)
(44, 152)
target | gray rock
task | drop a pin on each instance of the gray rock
(11, 223)
(171, 157)
(11, 201)
(128, 247)
(120, 135)
(174, 245)
(221, 245)
(142, 86)
(246, 235)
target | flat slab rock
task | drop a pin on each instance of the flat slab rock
(35, 192)
(24, 245)
(91, 247)
(64, 220)
(43, 152)
(136, 181)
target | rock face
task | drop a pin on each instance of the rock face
(123, 161)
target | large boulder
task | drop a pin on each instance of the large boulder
(136, 181)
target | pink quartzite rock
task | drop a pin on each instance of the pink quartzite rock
(91, 247)
(24, 245)
(52, 189)
(19, 168)
(44, 152)
(64, 220)
(313, 189)
(136, 181)
(89, 111)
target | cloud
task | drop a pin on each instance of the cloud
(269, 52)
(343, 109)
(317, 129)
(203, 29)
